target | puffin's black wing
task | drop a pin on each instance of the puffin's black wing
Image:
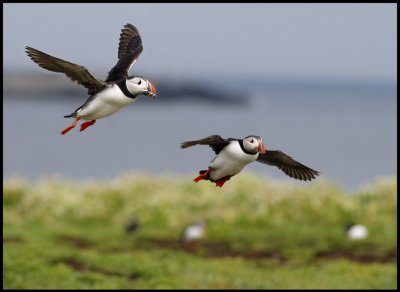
(73, 71)
(216, 142)
(289, 166)
(130, 47)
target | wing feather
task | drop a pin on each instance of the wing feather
(216, 142)
(288, 165)
(130, 47)
(73, 71)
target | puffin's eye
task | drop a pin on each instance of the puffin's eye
(136, 80)
(252, 140)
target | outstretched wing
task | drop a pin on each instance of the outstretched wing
(130, 47)
(288, 165)
(73, 71)
(216, 142)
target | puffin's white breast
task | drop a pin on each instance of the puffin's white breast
(230, 161)
(105, 103)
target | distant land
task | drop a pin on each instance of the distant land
(26, 85)
(234, 90)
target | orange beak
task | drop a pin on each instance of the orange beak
(261, 148)
(151, 89)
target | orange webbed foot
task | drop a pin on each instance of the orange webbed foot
(67, 129)
(201, 176)
(220, 182)
(87, 124)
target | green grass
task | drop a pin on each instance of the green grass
(260, 234)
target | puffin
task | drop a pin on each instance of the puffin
(132, 225)
(234, 154)
(356, 231)
(192, 234)
(105, 97)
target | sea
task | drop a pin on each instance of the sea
(347, 130)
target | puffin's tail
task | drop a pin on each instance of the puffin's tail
(73, 115)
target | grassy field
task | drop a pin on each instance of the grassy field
(260, 234)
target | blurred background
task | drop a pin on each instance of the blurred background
(317, 81)
(115, 206)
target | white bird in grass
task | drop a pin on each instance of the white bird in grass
(356, 231)
(192, 234)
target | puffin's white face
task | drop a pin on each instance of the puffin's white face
(137, 85)
(254, 144)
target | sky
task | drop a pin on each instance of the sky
(344, 41)
(239, 45)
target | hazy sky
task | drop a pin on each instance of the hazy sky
(307, 40)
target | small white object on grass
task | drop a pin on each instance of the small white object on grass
(356, 231)
(193, 233)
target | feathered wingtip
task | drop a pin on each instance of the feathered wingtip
(213, 139)
(188, 144)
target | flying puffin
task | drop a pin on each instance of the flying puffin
(105, 97)
(234, 154)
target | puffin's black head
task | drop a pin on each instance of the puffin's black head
(254, 144)
(138, 85)
(349, 225)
